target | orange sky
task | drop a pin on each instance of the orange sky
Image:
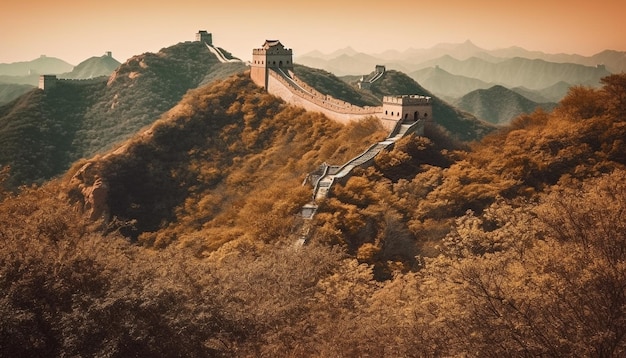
(75, 30)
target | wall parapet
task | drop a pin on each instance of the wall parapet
(47, 82)
(327, 102)
(407, 100)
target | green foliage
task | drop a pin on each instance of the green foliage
(498, 104)
(43, 133)
(37, 130)
(11, 91)
(460, 125)
(327, 83)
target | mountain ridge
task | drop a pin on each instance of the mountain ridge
(40, 65)
(613, 59)
(94, 66)
(102, 114)
(498, 104)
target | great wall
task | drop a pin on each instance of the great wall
(271, 68)
(47, 82)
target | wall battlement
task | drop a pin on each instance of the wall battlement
(271, 55)
(272, 69)
(47, 82)
(366, 83)
(407, 100)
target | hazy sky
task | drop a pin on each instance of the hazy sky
(75, 30)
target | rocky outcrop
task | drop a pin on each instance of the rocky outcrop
(91, 191)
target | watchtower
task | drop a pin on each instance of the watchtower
(47, 82)
(273, 55)
(408, 108)
(206, 37)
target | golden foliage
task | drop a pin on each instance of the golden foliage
(525, 234)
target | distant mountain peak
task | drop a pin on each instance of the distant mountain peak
(467, 44)
(498, 104)
(344, 51)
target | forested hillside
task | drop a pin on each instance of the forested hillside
(498, 104)
(93, 67)
(75, 120)
(10, 91)
(511, 247)
(226, 162)
(460, 125)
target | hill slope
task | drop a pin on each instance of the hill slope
(463, 126)
(228, 160)
(327, 83)
(498, 105)
(96, 116)
(445, 84)
(10, 91)
(514, 72)
(518, 240)
(42, 65)
(93, 67)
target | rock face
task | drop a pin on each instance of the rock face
(92, 191)
(95, 199)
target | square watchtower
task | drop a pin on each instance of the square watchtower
(407, 108)
(47, 82)
(204, 36)
(272, 55)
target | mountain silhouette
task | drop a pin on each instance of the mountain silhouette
(41, 65)
(93, 67)
(498, 104)
(445, 84)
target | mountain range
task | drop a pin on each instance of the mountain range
(173, 222)
(615, 61)
(82, 119)
(18, 78)
(90, 118)
(41, 65)
(470, 67)
(531, 73)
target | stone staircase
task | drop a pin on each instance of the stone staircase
(323, 186)
(220, 56)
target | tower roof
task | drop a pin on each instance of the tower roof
(272, 43)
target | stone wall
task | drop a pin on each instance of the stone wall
(406, 107)
(47, 82)
(278, 86)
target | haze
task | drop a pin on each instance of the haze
(76, 30)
